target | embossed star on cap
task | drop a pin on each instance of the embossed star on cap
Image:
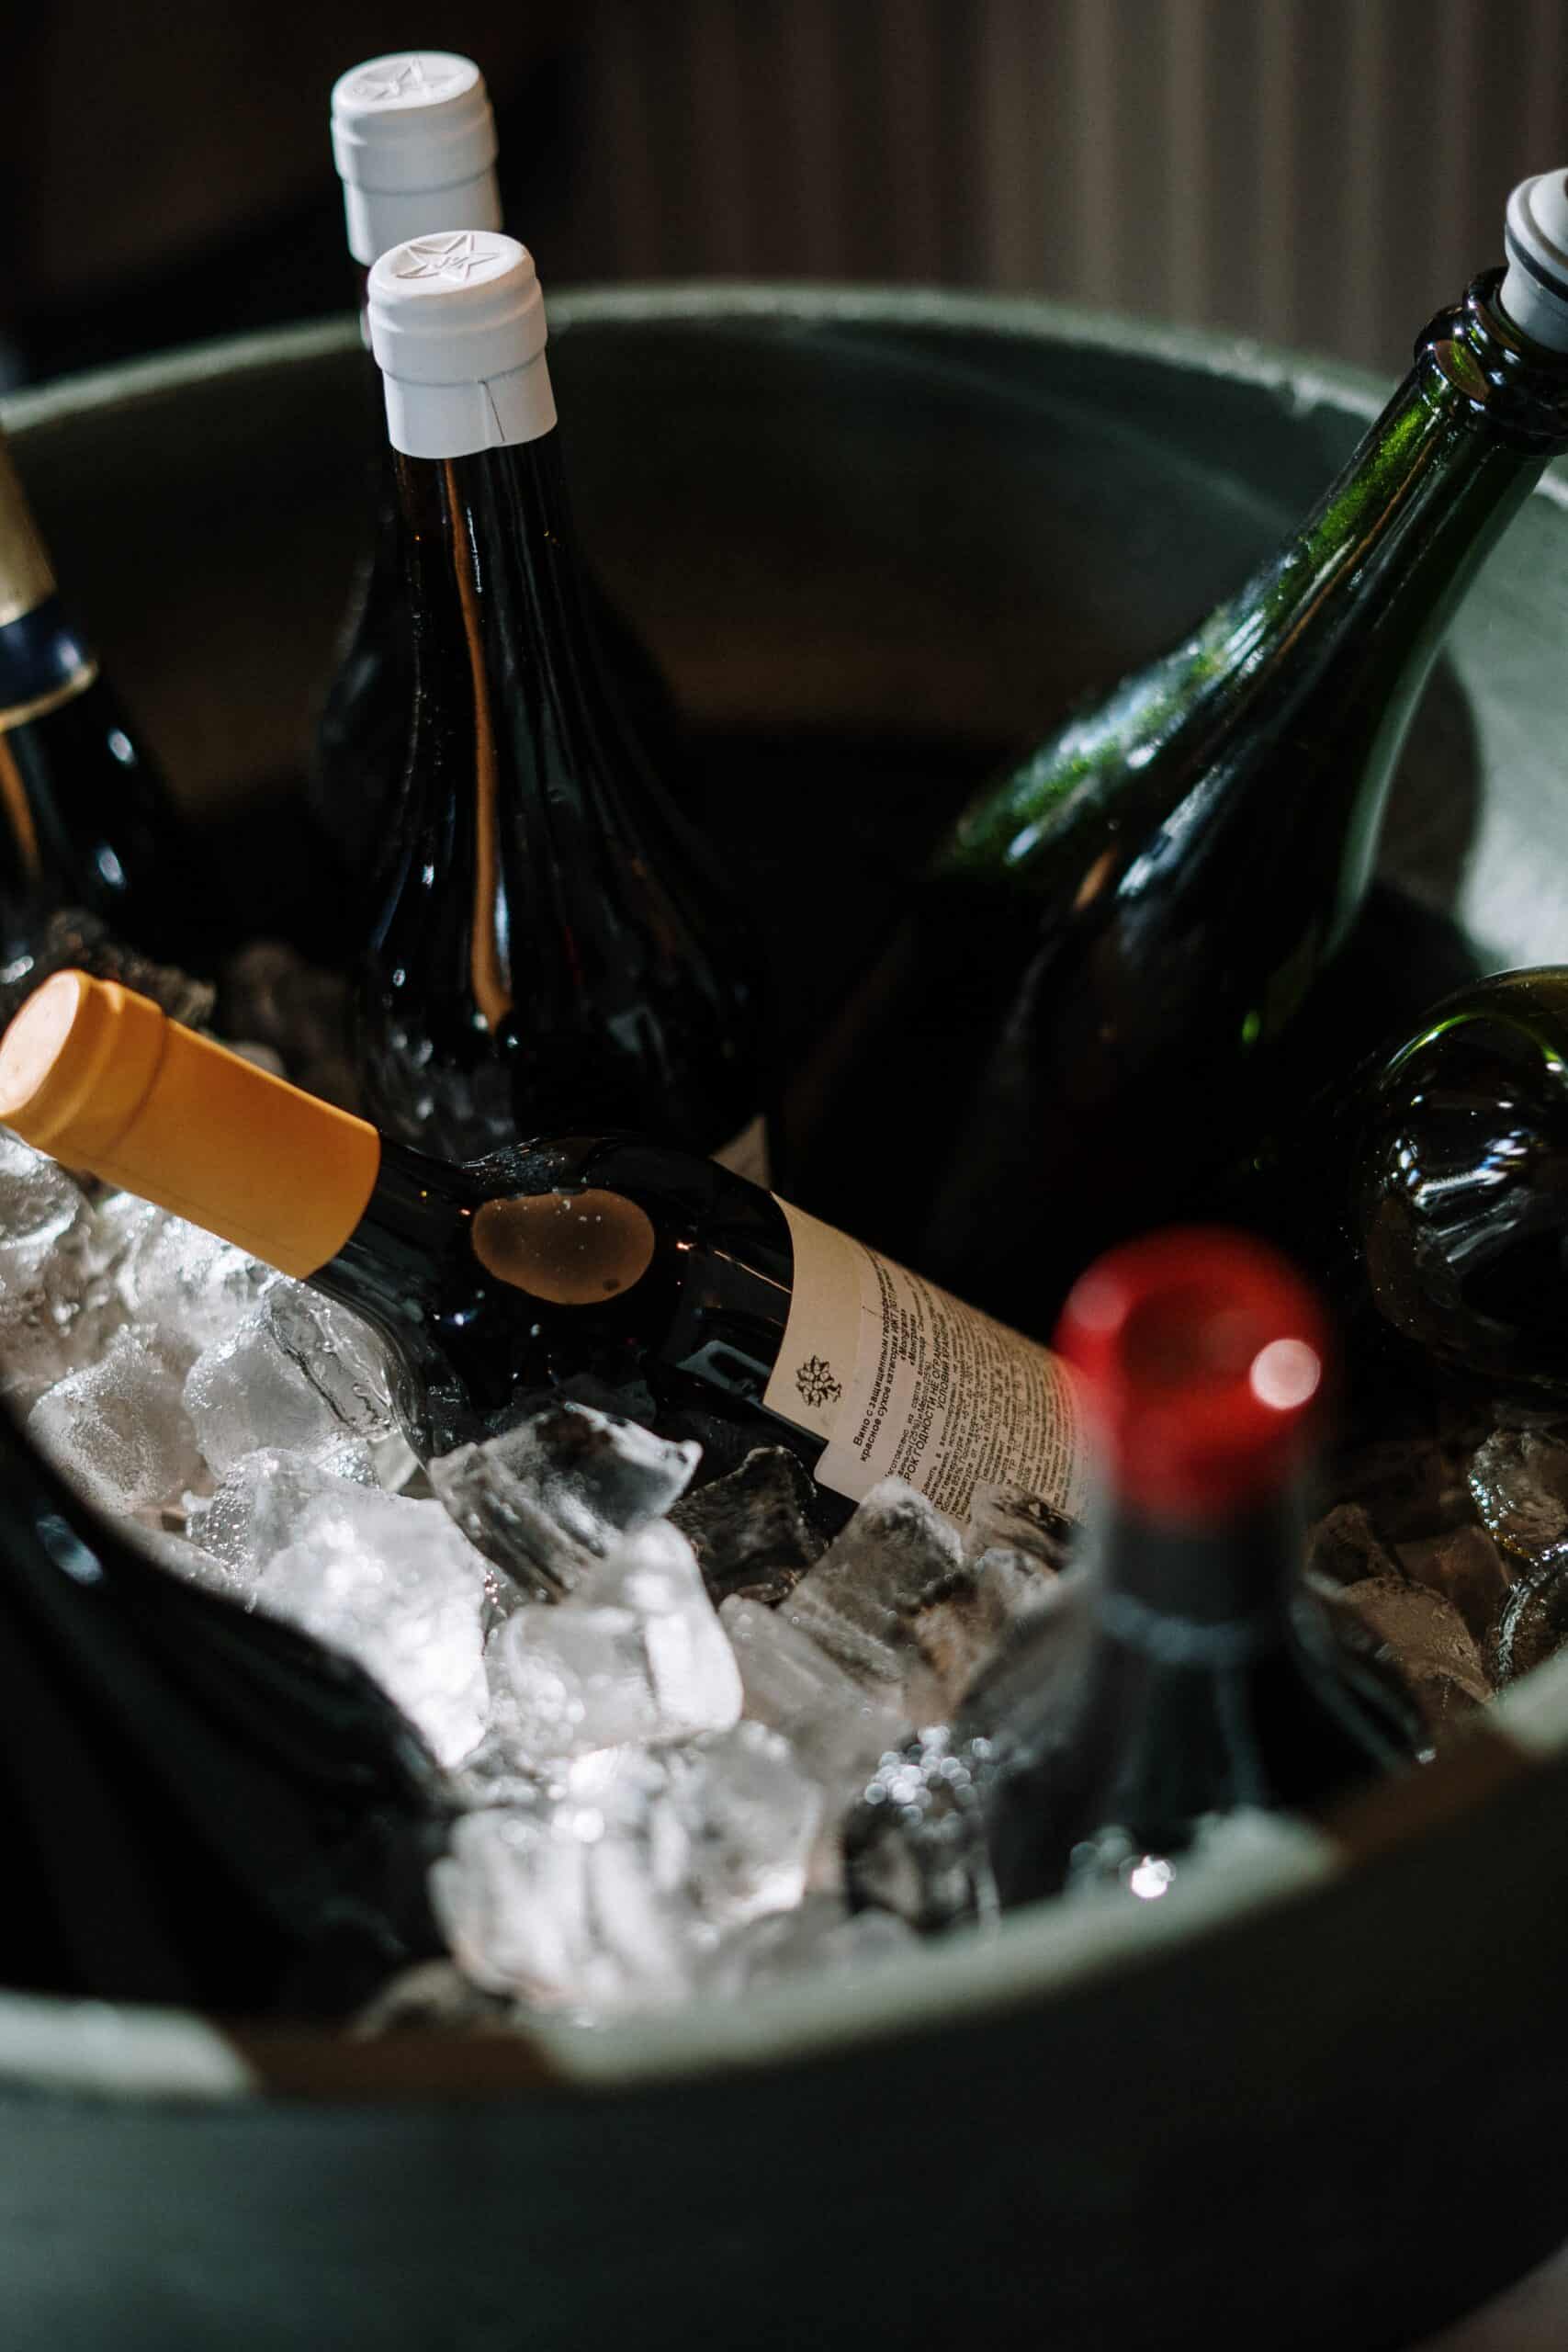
(404, 77)
(457, 256)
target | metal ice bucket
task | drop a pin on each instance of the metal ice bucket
(1315, 2102)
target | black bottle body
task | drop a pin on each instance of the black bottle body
(1076, 1024)
(671, 1280)
(203, 1805)
(1180, 1708)
(85, 820)
(361, 735)
(1182, 1671)
(1179, 1675)
(1434, 1182)
(663, 1286)
(363, 731)
(553, 948)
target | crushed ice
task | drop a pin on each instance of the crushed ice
(654, 1700)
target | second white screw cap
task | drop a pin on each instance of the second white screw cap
(413, 140)
(457, 324)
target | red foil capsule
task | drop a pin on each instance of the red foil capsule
(1203, 1354)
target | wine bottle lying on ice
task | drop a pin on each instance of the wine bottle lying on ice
(642, 1276)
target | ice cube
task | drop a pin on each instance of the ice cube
(350, 1366)
(958, 1633)
(183, 1559)
(119, 1429)
(786, 1677)
(500, 1517)
(1010, 1519)
(636, 1653)
(1466, 1567)
(339, 1354)
(562, 1907)
(753, 1532)
(549, 1498)
(244, 1393)
(497, 1773)
(54, 1317)
(1428, 1641)
(39, 1204)
(751, 1814)
(1533, 1625)
(1343, 1546)
(893, 1560)
(255, 1512)
(821, 1934)
(53, 1320)
(1519, 1482)
(836, 1728)
(395, 1584)
(194, 1287)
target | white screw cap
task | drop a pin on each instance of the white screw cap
(413, 140)
(1534, 294)
(457, 324)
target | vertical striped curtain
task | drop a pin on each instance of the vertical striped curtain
(1320, 172)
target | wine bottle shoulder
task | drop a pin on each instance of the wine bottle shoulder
(554, 947)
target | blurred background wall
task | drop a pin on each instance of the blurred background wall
(1320, 172)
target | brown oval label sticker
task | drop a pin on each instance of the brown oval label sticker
(569, 1249)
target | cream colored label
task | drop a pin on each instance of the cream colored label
(747, 1153)
(903, 1381)
(25, 580)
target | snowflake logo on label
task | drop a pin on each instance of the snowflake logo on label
(403, 77)
(815, 1383)
(458, 257)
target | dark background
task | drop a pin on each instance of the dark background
(1320, 172)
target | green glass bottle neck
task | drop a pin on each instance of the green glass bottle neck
(1371, 578)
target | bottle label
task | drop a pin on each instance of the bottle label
(747, 1153)
(902, 1381)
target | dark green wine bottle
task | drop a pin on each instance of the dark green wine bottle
(1180, 1671)
(618, 1269)
(1068, 1036)
(85, 818)
(553, 949)
(414, 142)
(203, 1806)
